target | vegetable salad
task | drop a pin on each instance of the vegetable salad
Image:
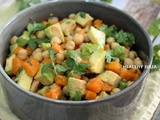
(75, 58)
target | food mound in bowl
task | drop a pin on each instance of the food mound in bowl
(76, 58)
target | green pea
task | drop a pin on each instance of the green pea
(122, 84)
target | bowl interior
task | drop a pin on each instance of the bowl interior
(62, 9)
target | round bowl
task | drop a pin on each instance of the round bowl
(30, 106)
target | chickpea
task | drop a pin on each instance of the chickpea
(132, 54)
(79, 59)
(78, 29)
(69, 38)
(71, 16)
(117, 60)
(53, 19)
(82, 45)
(13, 40)
(70, 45)
(86, 39)
(115, 90)
(138, 61)
(38, 56)
(53, 85)
(127, 53)
(45, 54)
(78, 50)
(32, 36)
(78, 76)
(110, 40)
(128, 61)
(22, 54)
(78, 39)
(56, 39)
(36, 50)
(65, 90)
(25, 33)
(40, 34)
(87, 28)
(59, 57)
(114, 45)
(129, 83)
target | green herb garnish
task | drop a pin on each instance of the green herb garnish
(57, 68)
(78, 68)
(154, 28)
(82, 14)
(125, 38)
(32, 42)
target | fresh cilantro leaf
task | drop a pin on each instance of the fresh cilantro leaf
(82, 14)
(70, 63)
(78, 68)
(60, 68)
(46, 67)
(154, 28)
(109, 31)
(32, 42)
(81, 68)
(22, 4)
(156, 58)
(52, 54)
(34, 27)
(72, 54)
(156, 51)
(57, 68)
(125, 38)
(156, 63)
(110, 56)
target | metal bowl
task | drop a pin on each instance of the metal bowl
(30, 106)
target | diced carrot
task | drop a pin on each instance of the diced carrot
(63, 46)
(95, 85)
(82, 31)
(29, 50)
(128, 47)
(54, 93)
(126, 74)
(46, 60)
(17, 50)
(114, 66)
(31, 66)
(90, 95)
(57, 47)
(17, 63)
(97, 23)
(61, 80)
(107, 87)
(107, 47)
(134, 77)
(136, 73)
(85, 61)
(44, 23)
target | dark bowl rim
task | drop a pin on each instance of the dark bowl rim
(143, 75)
